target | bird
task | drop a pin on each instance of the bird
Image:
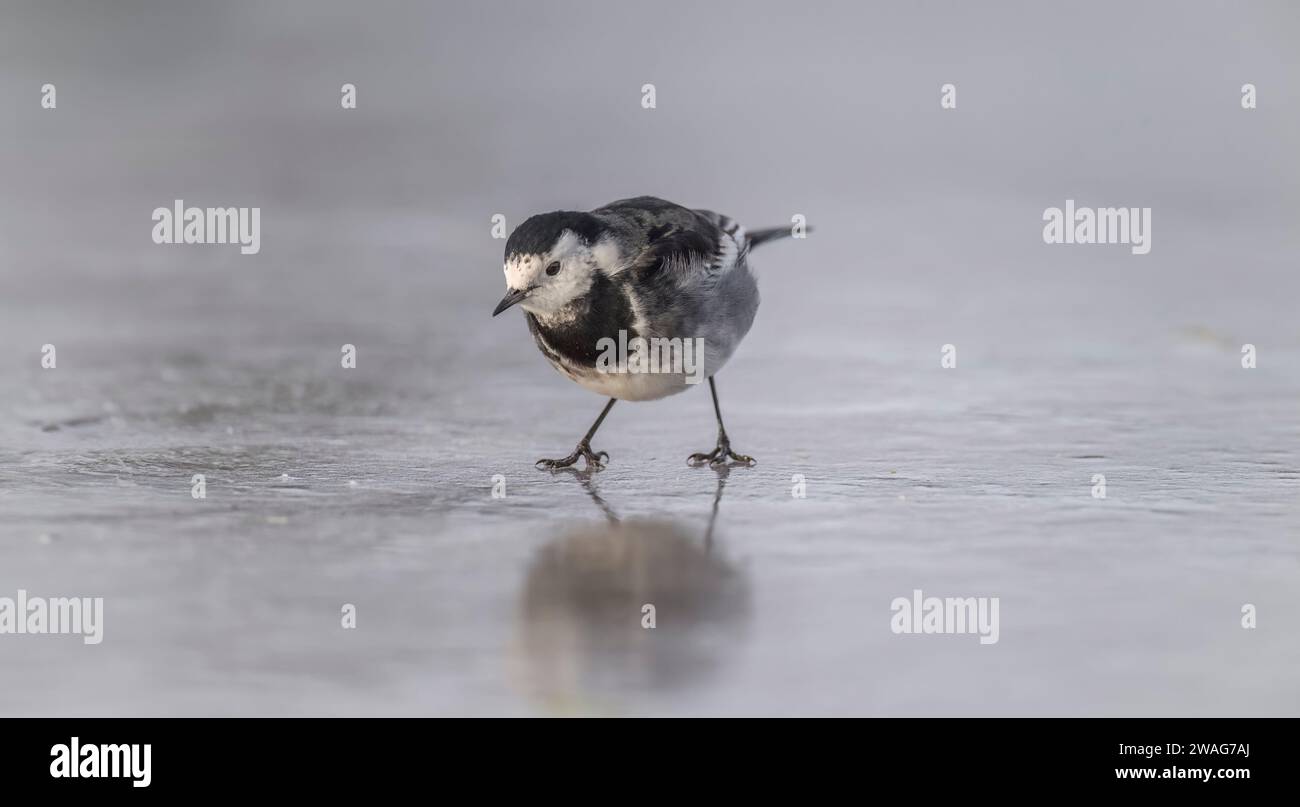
(636, 269)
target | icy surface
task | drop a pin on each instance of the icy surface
(372, 486)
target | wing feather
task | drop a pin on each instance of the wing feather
(675, 242)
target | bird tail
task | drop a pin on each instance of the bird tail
(758, 237)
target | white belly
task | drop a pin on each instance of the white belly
(618, 381)
(637, 386)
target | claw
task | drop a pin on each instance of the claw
(719, 456)
(583, 451)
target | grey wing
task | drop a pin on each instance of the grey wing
(662, 238)
(687, 274)
(733, 241)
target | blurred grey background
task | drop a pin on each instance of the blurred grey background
(371, 486)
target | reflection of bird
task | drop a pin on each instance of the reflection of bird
(641, 268)
(583, 641)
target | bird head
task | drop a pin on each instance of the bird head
(552, 259)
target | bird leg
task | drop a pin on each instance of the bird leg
(584, 447)
(723, 452)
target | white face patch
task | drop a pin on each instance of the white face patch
(551, 293)
(520, 270)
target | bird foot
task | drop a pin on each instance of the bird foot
(583, 451)
(720, 456)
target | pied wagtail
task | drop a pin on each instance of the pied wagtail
(648, 268)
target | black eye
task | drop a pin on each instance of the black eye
(553, 269)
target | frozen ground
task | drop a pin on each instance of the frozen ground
(372, 486)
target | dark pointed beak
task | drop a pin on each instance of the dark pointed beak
(513, 296)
